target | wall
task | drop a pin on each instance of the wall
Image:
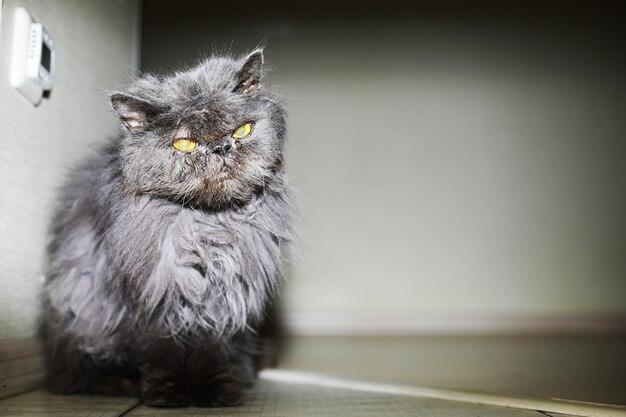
(97, 47)
(447, 164)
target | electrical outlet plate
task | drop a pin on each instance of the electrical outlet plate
(32, 60)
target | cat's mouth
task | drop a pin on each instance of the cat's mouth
(220, 166)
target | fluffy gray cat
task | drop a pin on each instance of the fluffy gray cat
(167, 246)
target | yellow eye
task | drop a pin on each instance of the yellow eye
(242, 131)
(185, 145)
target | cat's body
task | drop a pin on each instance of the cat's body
(163, 262)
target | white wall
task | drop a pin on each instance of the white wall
(433, 192)
(444, 168)
(96, 47)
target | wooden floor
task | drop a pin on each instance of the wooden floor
(268, 399)
(578, 368)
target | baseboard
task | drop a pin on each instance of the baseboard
(21, 366)
(372, 324)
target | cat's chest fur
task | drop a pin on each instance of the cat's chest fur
(190, 269)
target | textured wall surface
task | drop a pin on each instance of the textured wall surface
(444, 165)
(96, 49)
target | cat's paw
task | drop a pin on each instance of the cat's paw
(217, 393)
(166, 395)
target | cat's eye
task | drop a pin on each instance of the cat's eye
(185, 144)
(242, 131)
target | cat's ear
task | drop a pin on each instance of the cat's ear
(134, 112)
(249, 75)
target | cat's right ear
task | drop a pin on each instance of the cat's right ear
(249, 75)
(133, 111)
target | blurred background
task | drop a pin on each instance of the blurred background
(454, 164)
(459, 169)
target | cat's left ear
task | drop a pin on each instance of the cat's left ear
(249, 75)
(134, 112)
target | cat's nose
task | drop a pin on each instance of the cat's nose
(224, 147)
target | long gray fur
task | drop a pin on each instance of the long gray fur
(162, 263)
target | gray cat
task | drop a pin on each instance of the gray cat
(167, 246)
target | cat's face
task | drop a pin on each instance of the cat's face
(210, 136)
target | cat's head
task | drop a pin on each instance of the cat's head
(211, 135)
